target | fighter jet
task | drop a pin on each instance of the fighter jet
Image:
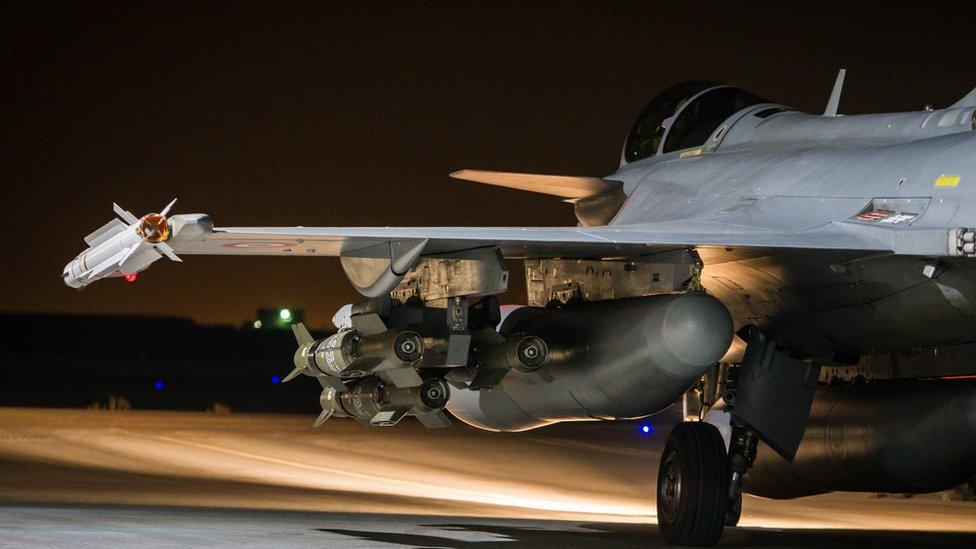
(741, 246)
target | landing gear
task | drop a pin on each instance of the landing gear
(742, 453)
(735, 509)
(693, 485)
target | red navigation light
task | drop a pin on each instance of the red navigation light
(131, 277)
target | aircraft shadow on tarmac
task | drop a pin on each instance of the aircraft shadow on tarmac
(646, 535)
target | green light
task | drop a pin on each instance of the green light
(285, 314)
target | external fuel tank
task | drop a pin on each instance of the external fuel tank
(617, 359)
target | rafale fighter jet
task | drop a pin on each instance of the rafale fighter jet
(740, 247)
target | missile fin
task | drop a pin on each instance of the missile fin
(166, 250)
(435, 420)
(326, 414)
(125, 214)
(294, 373)
(167, 208)
(538, 377)
(458, 346)
(487, 378)
(402, 377)
(302, 334)
(368, 324)
(489, 335)
(388, 417)
(106, 231)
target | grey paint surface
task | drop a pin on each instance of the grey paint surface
(607, 360)
(906, 436)
(771, 202)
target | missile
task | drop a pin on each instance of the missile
(351, 354)
(330, 405)
(497, 356)
(376, 403)
(127, 245)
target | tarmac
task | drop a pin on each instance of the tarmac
(96, 478)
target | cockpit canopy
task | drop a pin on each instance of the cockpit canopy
(684, 116)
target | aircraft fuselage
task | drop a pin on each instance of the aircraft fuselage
(824, 301)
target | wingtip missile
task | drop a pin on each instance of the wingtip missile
(129, 244)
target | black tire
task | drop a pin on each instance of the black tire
(693, 485)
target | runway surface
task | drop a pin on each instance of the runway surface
(92, 478)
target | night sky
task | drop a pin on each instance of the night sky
(310, 114)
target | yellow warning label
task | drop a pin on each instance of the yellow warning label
(696, 152)
(947, 180)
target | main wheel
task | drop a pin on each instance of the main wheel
(693, 485)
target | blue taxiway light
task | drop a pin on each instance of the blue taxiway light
(158, 385)
(646, 429)
(275, 380)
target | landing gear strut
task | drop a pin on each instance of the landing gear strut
(693, 485)
(700, 482)
(742, 454)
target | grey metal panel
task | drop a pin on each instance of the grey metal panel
(865, 129)
(773, 394)
(792, 213)
(818, 303)
(713, 186)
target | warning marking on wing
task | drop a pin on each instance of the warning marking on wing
(886, 216)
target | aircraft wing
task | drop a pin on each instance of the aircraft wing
(523, 242)
(375, 258)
